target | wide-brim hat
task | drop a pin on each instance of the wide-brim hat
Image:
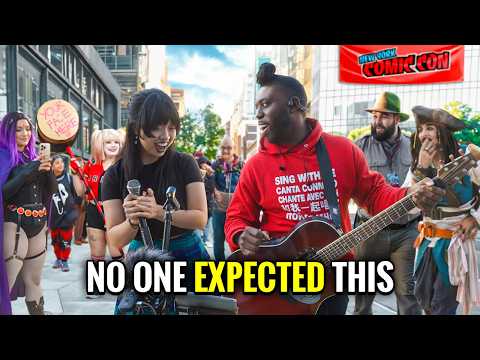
(388, 102)
(425, 115)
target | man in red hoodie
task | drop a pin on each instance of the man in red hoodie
(281, 184)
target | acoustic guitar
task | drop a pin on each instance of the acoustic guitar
(314, 239)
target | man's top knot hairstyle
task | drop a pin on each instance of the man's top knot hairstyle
(266, 76)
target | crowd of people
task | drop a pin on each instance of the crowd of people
(225, 200)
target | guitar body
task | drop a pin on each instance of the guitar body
(310, 234)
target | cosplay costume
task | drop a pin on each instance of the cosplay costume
(93, 175)
(63, 216)
(26, 196)
(435, 265)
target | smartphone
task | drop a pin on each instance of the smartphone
(45, 151)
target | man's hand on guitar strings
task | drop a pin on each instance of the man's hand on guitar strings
(426, 195)
(250, 239)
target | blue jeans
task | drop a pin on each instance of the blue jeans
(207, 232)
(218, 221)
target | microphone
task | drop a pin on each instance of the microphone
(171, 197)
(133, 187)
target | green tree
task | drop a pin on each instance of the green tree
(356, 134)
(212, 133)
(189, 130)
(201, 131)
(471, 133)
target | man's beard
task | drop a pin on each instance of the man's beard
(387, 133)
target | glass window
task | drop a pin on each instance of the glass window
(78, 73)
(76, 104)
(43, 50)
(96, 123)
(55, 90)
(56, 56)
(28, 87)
(66, 55)
(86, 118)
(97, 96)
(93, 91)
(86, 83)
(3, 80)
(71, 68)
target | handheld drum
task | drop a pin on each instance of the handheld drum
(58, 122)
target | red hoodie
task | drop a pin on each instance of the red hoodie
(286, 185)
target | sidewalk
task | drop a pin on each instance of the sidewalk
(64, 291)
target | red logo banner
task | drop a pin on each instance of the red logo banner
(401, 64)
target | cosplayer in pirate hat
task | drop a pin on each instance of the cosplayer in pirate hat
(445, 123)
(388, 102)
(437, 117)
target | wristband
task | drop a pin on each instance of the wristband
(135, 226)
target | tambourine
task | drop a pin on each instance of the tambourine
(58, 122)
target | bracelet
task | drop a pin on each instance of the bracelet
(135, 226)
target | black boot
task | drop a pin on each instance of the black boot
(34, 308)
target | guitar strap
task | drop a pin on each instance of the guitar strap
(328, 183)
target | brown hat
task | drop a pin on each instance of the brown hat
(424, 115)
(388, 102)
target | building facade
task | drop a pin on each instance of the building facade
(295, 61)
(33, 74)
(340, 107)
(129, 66)
(178, 97)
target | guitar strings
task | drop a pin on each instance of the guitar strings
(330, 251)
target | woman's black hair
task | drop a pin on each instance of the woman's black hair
(148, 109)
(266, 77)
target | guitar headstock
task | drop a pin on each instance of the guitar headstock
(455, 170)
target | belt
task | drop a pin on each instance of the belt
(439, 214)
(430, 230)
(24, 211)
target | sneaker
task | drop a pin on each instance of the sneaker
(78, 242)
(65, 266)
(57, 264)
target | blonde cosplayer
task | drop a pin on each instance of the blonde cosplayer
(106, 147)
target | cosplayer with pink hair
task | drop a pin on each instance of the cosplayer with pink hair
(27, 185)
(106, 146)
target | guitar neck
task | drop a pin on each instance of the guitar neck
(374, 225)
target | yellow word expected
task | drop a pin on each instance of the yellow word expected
(298, 277)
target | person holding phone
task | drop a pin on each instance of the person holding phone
(27, 185)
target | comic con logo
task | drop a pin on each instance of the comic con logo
(387, 62)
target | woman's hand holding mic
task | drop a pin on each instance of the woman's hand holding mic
(144, 206)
